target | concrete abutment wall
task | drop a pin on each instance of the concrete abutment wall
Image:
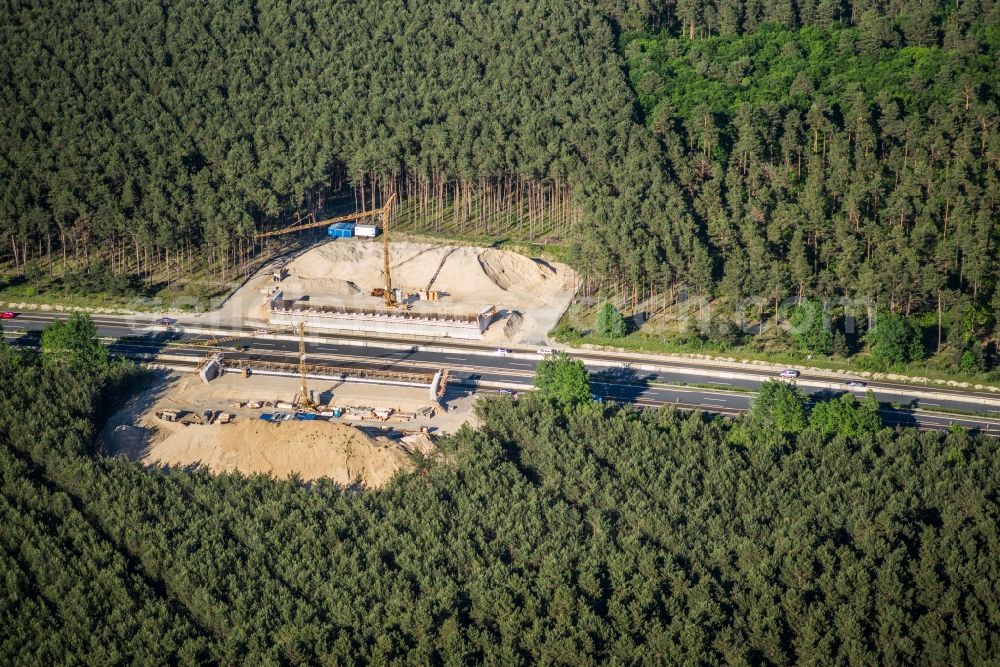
(359, 320)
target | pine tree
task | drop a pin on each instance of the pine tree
(811, 327)
(778, 408)
(563, 380)
(610, 323)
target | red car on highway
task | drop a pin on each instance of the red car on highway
(7, 315)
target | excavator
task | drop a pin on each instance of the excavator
(380, 213)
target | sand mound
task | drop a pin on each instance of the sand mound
(468, 280)
(461, 277)
(513, 324)
(313, 449)
(336, 261)
(420, 442)
(329, 286)
(458, 270)
(509, 270)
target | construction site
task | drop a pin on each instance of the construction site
(361, 280)
(354, 421)
(355, 431)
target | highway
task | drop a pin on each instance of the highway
(638, 379)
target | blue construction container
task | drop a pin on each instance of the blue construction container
(341, 230)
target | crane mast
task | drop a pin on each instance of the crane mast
(305, 400)
(390, 300)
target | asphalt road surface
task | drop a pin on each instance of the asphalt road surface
(613, 376)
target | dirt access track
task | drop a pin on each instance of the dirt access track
(530, 294)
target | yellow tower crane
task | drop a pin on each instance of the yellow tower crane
(380, 213)
(304, 399)
(390, 299)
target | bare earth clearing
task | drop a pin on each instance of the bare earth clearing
(346, 451)
(342, 272)
(313, 449)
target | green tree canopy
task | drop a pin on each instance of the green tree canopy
(846, 416)
(563, 380)
(610, 323)
(546, 536)
(823, 148)
(778, 407)
(73, 344)
(811, 327)
(894, 341)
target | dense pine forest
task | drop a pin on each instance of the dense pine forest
(754, 151)
(766, 148)
(858, 163)
(746, 150)
(141, 131)
(561, 532)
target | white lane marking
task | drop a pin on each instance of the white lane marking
(725, 384)
(722, 402)
(521, 364)
(936, 405)
(28, 317)
(455, 358)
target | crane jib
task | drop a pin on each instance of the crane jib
(324, 223)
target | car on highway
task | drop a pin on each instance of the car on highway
(855, 384)
(596, 399)
(259, 332)
(502, 351)
(7, 315)
(507, 392)
(789, 373)
(546, 351)
(166, 321)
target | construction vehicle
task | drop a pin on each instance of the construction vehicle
(383, 213)
(168, 415)
(304, 399)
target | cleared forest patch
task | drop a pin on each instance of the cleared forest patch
(467, 280)
(348, 450)
(311, 449)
